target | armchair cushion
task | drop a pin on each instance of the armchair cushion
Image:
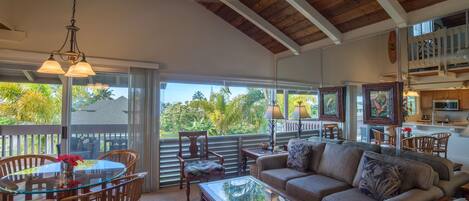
(202, 168)
(278, 178)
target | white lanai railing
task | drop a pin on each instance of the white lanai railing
(438, 49)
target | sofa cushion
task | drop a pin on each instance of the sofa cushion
(363, 146)
(314, 187)
(316, 153)
(452, 186)
(442, 166)
(278, 177)
(352, 194)
(298, 155)
(414, 174)
(379, 180)
(434, 193)
(340, 162)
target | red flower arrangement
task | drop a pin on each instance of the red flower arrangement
(71, 159)
(407, 129)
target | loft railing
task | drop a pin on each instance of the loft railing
(437, 49)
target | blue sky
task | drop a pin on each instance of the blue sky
(177, 92)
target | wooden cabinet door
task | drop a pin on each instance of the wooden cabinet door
(440, 95)
(464, 99)
(426, 99)
(453, 94)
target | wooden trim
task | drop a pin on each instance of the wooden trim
(396, 116)
(340, 115)
(263, 24)
(317, 19)
(396, 11)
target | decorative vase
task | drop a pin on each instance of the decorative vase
(66, 168)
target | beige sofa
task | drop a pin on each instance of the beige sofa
(334, 172)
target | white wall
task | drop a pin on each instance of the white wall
(181, 35)
(358, 61)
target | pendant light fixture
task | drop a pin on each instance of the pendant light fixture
(79, 67)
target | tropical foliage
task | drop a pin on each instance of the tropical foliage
(218, 114)
(25, 103)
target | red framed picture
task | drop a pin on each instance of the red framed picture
(382, 103)
(332, 104)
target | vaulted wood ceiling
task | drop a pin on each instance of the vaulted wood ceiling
(345, 15)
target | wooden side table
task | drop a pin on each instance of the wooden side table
(465, 191)
(254, 153)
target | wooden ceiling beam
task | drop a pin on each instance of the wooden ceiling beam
(263, 24)
(317, 19)
(396, 11)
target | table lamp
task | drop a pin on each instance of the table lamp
(273, 113)
(299, 113)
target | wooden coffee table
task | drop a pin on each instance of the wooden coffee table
(239, 188)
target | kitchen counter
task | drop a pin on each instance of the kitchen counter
(454, 126)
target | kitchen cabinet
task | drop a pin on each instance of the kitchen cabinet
(464, 99)
(453, 94)
(440, 95)
(426, 99)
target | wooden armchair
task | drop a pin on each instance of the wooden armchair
(127, 157)
(197, 165)
(424, 144)
(441, 143)
(128, 188)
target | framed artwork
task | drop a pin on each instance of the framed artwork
(331, 104)
(382, 103)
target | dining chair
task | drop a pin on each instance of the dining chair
(408, 144)
(441, 143)
(197, 165)
(127, 157)
(14, 164)
(128, 188)
(424, 144)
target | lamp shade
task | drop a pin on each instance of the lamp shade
(300, 112)
(411, 93)
(84, 67)
(51, 66)
(73, 72)
(273, 112)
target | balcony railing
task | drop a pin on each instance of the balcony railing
(96, 139)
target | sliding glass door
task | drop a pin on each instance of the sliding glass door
(99, 114)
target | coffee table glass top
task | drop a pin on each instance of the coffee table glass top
(240, 189)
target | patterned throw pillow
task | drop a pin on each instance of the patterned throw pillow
(379, 180)
(298, 155)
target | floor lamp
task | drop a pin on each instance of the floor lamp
(299, 113)
(273, 113)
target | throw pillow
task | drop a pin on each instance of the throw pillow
(298, 155)
(379, 180)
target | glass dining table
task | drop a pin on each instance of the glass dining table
(48, 179)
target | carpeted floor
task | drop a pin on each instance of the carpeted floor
(172, 194)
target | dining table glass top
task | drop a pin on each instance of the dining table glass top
(49, 178)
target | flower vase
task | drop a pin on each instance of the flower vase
(66, 169)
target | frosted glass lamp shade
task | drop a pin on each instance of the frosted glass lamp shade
(73, 72)
(300, 112)
(273, 112)
(411, 93)
(51, 66)
(84, 67)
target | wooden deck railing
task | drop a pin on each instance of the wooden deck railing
(43, 139)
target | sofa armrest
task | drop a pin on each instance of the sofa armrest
(434, 193)
(272, 162)
(452, 186)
